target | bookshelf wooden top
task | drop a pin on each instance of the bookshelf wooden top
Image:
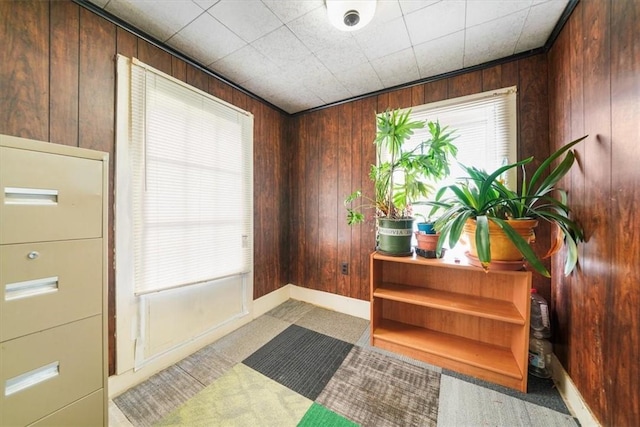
(446, 262)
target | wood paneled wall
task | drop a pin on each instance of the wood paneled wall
(332, 153)
(57, 84)
(594, 88)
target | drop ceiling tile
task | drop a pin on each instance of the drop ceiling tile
(326, 87)
(360, 79)
(386, 11)
(397, 68)
(440, 55)
(205, 4)
(158, 20)
(381, 40)
(100, 3)
(539, 25)
(244, 64)
(494, 39)
(481, 11)
(206, 40)
(282, 47)
(249, 19)
(315, 31)
(435, 21)
(340, 57)
(288, 10)
(409, 6)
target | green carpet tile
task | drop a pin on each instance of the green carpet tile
(318, 415)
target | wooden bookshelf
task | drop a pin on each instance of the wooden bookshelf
(453, 315)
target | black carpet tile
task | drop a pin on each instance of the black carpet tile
(300, 359)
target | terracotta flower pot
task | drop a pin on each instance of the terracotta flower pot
(502, 249)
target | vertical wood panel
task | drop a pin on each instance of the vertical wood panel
(346, 144)
(492, 78)
(328, 203)
(65, 27)
(220, 90)
(597, 162)
(96, 121)
(126, 43)
(197, 78)
(311, 239)
(622, 327)
(154, 56)
(24, 75)
(436, 91)
(465, 84)
(533, 141)
(178, 69)
(559, 120)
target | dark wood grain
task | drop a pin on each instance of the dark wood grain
(96, 122)
(220, 90)
(24, 71)
(311, 162)
(622, 327)
(154, 56)
(197, 78)
(178, 69)
(126, 43)
(63, 101)
(465, 84)
(401, 98)
(345, 145)
(328, 200)
(533, 140)
(492, 78)
(436, 91)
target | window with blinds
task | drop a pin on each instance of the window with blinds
(485, 129)
(191, 167)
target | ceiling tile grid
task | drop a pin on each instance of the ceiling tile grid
(287, 52)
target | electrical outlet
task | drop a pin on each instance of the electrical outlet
(344, 268)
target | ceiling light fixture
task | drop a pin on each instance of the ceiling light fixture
(350, 15)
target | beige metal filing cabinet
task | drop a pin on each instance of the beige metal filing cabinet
(53, 270)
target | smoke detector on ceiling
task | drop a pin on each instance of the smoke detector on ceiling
(350, 15)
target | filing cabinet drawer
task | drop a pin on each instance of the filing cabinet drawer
(45, 371)
(61, 283)
(86, 412)
(45, 197)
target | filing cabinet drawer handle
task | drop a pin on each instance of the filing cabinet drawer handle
(33, 254)
(31, 378)
(30, 196)
(30, 288)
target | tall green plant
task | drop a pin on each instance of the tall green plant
(429, 160)
(483, 196)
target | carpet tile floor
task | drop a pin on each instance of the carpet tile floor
(302, 365)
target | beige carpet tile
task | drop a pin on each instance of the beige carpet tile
(242, 397)
(466, 404)
(242, 342)
(337, 325)
(365, 342)
(153, 399)
(206, 365)
(375, 390)
(291, 310)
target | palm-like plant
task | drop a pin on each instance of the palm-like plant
(483, 196)
(427, 161)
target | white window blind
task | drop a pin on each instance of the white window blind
(191, 161)
(485, 128)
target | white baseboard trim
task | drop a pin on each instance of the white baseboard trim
(339, 303)
(571, 395)
(271, 300)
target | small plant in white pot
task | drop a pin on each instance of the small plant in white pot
(428, 161)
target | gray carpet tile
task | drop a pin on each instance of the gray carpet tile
(206, 365)
(373, 389)
(300, 359)
(150, 401)
(291, 310)
(466, 404)
(337, 325)
(242, 342)
(365, 340)
(540, 391)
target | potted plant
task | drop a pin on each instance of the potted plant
(427, 237)
(400, 177)
(484, 208)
